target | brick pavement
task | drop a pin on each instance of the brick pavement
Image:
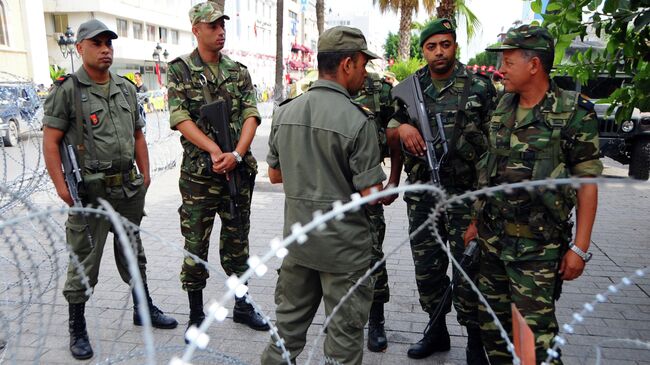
(621, 246)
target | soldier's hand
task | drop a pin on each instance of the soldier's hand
(388, 200)
(64, 194)
(224, 163)
(471, 232)
(571, 266)
(411, 139)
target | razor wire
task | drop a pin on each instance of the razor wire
(235, 286)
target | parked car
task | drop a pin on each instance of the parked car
(21, 111)
(627, 142)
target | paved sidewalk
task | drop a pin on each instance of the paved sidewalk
(621, 246)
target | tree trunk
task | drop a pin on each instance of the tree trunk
(279, 60)
(446, 9)
(405, 33)
(320, 16)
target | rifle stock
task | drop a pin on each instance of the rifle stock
(73, 180)
(410, 94)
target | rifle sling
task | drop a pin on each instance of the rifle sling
(80, 124)
(462, 107)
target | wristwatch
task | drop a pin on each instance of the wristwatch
(586, 256)
(237, 156)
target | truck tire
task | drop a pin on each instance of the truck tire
(640, 163)
(11, 137)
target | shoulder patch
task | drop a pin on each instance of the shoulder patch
(366, 111)
(584, 102)
(61, 79)
(288, 100)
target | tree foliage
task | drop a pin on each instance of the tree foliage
(406, 9)
(56, 72)
(402, 69)
(484, 58)
(623, 26)
(391, 47)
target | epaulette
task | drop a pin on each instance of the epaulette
(585, 103)
(61, 79)
(128, 79)
(363, 108)
(241, 64)
(288, 100)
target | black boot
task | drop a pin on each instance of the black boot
(158, 318)
(196, 309)
(377, 341)
(436, 339)
(245, 313)
(79, 344)
(474, 351)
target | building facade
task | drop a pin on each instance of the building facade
(23, 50)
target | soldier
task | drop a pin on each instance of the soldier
(96, 111)
(323, 130)
(464, 101)
(537, 131)
(194, 80)
(375, 95)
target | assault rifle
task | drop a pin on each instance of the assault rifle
(410, 94)
(216, 114)
(73, 180)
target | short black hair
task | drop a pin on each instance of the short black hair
(328, 62)
(137, 74)
(545, 58)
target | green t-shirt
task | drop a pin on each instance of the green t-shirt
(521, 113)
(439, 84)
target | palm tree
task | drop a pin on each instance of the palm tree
(320, 16)
(457, 9)
(406, 9)
(278, 50)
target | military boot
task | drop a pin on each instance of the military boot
(79, 344)
(377, 341)
(436, 339)
(196, 308)
(474, 351)
(245, 313)
(158, 318)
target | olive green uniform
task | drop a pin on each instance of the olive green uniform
(108, 170)
(326, 148)
(206, 194)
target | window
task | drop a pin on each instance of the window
(293, 16)
(162, 32)
(122, 27)
(60, 23)
(137, 30)
(174, 37)
(3, 26)
(151, 33)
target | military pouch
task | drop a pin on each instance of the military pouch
(559, 203)
(94, 187)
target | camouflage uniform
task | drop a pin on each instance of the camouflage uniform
(524, 234)
(375, 95)
(465, 123)
(203, 193)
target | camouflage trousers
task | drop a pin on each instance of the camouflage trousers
(202, 201)
(431, 261)
(131, 208)
(378, 231)
(530, 285)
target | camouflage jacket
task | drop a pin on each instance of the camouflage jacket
(557, 139)
(375, 96)
(185, 95)
(465, 127)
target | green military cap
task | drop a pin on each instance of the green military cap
(206, 12)
(531, 37)
(344, 39)
(438, 26)
(93, 28)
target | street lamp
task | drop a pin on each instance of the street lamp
(67, 45)
(156, 57)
